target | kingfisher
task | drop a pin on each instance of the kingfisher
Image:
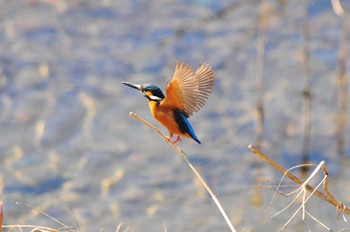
(186, 93)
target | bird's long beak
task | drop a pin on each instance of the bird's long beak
(132, 85)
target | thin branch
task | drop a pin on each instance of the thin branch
(75, 218)
(164, 226)
(45, 214)
(36, 227)
(337, 8)
(202, 181)
(302, 206)
(319, 222)
(326, 197)
(120, 226)
(277, 191)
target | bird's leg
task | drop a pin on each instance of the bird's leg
(177, 140)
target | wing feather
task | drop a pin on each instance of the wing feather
(188, 91)
(205, 78)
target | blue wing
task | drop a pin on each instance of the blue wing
(184, 125)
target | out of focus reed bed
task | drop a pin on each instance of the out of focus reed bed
(305, 190)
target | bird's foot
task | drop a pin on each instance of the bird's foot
(177, 140)
(168, 138)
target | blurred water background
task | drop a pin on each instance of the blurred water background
(69, 147)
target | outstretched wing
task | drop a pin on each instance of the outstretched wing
(205, 78)
(188, 91)
(182, 91)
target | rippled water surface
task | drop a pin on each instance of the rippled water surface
(70, 149)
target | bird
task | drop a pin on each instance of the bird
(186, 93)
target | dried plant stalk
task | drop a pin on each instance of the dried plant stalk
(184, 156)
(41, 228)
(306, 117)
(343, 91)
(327, 196)
(1, 204)
(260, 61)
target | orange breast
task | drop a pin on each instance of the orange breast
(165, 116)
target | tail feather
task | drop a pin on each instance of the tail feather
(185, 126)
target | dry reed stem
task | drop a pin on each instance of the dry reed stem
(36, 228)
(327, 196)
(342, 84)
(301, 190)
(65, 227)
(302, 206)
(260, 61)
(1, 204)
(119, 227)
(194, 170)
(337, 8)
(315, 219)
(164, 227)
(306, 113)
(45, 214)
(1, 216)
(277, 191)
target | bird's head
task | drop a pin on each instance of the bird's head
(151, 92)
